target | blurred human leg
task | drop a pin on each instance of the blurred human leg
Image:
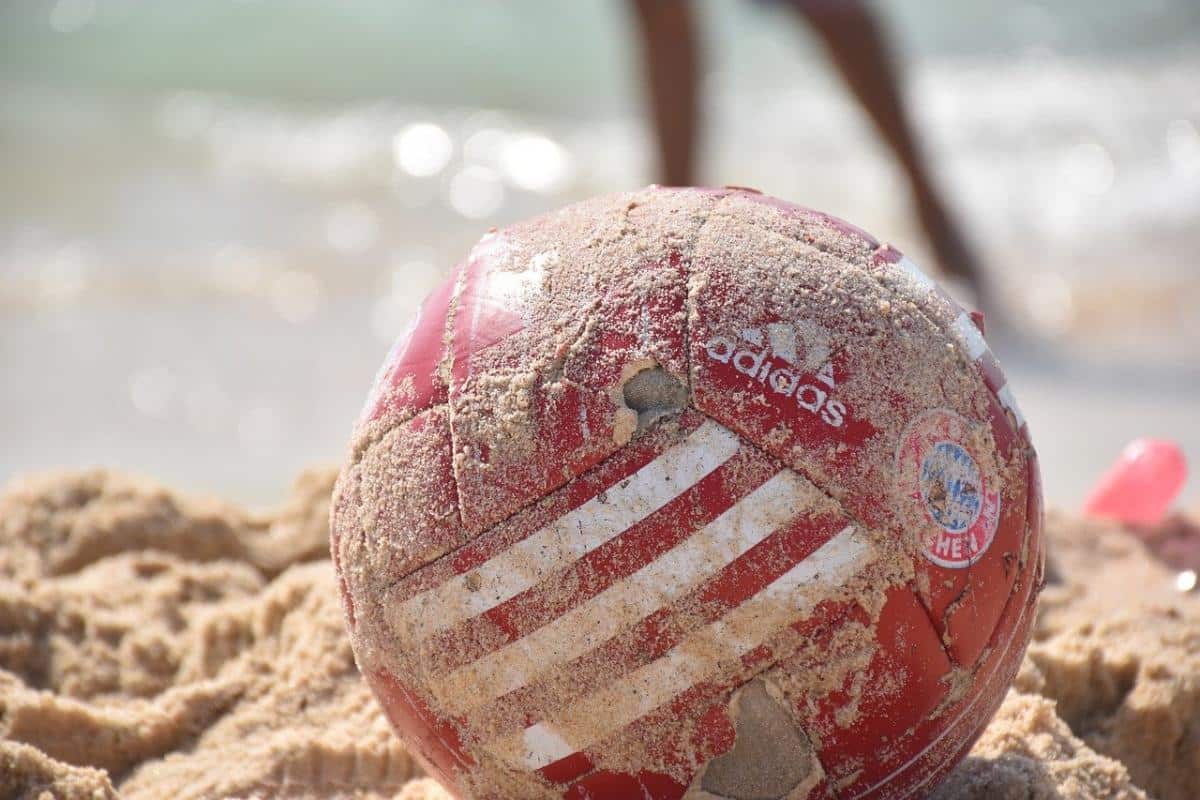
(671, 59)
(859, 48)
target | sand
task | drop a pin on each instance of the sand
(158, 645)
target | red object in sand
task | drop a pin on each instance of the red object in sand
(1140, 486)
(689, 493)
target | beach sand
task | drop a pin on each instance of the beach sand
(154, 644)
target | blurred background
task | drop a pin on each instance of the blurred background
(215, 215)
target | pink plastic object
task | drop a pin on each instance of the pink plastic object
(1141, 484)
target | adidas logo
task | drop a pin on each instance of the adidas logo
(791, 360)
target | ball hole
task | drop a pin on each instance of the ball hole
(654, 393)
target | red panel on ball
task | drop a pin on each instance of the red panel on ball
(967, 588)
(901, 685)
(638, 322)
(434, 741)
(396, 507)
(568, 412)
(949, 736)
(569, 430)
(965, 602)
(410, 380)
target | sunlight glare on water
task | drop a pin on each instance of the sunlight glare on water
(1183, 146)
(475, 192)
(352, 227)
(534, 162)
(423, 149)
(295, 295)
(203, 256)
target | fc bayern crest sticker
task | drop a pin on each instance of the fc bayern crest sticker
(945, 491)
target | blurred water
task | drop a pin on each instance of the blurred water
(215, 215)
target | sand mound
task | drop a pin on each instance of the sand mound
(154, 645)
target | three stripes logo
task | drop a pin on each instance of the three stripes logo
(792, 360)
(686, 562)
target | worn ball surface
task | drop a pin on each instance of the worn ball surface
(689, 493)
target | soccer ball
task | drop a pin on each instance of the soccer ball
(689, 493)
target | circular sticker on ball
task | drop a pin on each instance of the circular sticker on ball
(946, 493)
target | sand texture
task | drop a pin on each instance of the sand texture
(157, 645)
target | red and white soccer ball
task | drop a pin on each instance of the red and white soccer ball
(689, 493)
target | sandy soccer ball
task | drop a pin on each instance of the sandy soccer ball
(689, 494)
